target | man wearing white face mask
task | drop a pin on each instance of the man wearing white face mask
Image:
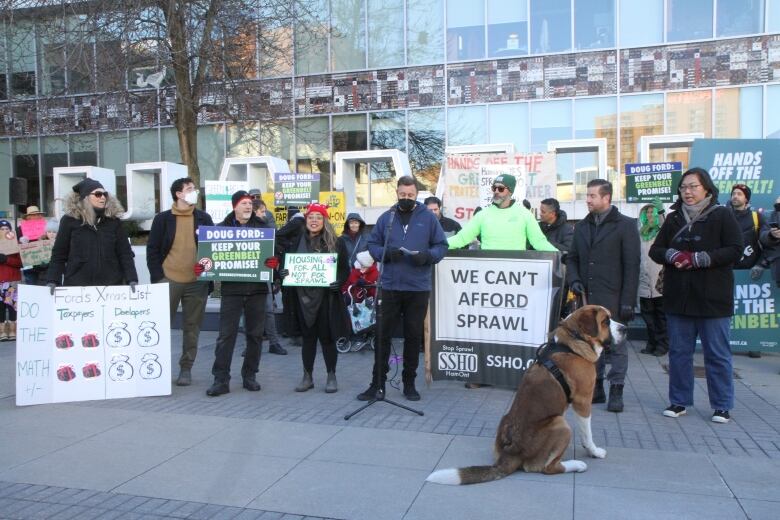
(171, 254)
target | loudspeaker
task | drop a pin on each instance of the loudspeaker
(17, 191)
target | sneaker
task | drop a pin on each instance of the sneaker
(674, 411)
(276, 348)
(721, 416)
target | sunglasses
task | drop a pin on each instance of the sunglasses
(500, 189)
(100, 194)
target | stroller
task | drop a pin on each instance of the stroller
(361, 312)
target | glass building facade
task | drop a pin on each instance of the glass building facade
(417, 75)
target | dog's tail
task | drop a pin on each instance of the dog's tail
(469, 475)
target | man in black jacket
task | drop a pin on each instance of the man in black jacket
(555, 226)
(449, 226)
(247, 298)
(603, 266)
(171, 253)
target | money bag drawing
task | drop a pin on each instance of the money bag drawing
(118, 335)
(150, 367)
(147, 334)
(120, 369)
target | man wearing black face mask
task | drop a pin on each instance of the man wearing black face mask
(770, 239)
(408, 239)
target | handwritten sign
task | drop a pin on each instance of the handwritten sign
(88, 343)
(33, 229)
(235, 254)
(8, 243)
(36, 253)
(310, 269)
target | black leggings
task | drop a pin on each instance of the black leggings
(320, 330)
(7, 309)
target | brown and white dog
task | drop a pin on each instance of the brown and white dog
(533, 435)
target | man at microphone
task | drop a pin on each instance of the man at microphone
(408, 239)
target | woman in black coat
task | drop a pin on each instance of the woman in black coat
(352, 241)
(91, 247)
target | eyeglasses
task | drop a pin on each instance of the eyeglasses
(689, 187)
(500, 189)
(100, 194)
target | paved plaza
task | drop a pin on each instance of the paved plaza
(276, 454)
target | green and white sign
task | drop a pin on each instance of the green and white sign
(235, 254)
(296, 189)
(648, 181)
(218, 195)
(310, 269)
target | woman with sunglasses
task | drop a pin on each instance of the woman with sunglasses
(91, 247)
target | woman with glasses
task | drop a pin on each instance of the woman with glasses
(91, 247)
(698, 245)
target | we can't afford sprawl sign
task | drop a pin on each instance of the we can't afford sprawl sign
(235, 254)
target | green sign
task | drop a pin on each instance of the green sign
(756, 322)
(235, 254)
(296, 189)
(36, 253)
(310, 269)
(648, 181)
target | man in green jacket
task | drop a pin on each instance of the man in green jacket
(504, 225)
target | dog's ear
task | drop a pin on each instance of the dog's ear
(587, 321)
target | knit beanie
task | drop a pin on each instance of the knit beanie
(507, 180)
(364, 260)
(238, 197)
(322, 209)
(86, 187)
(744, 189)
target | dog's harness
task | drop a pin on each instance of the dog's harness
(544, 358)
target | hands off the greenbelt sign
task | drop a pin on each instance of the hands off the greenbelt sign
(310, 269)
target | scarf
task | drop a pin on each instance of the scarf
(691, 211)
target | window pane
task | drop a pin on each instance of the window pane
(595, 118)
(143, 146)
(22, 50)
(688, 20)
(507, 28)
(349, 133)
(594, 24)
(385, 33)
(55, 155)
(83, 150)
(465, 30)
(550, 26)
(5, 174)
(311, 35)
(773, 107)
(277, 139)
(509, 124)
(639, 116)
(736, 17)
(313, 148)
(243, 140)
(641, 23)
(3, 95)
(738, 113)
(113, 151)
(26, 166)
(388, 130)
(348, 35)
(773, 16)
(688, 112)
(550, 121)
(466, 125)
(425, 28)
(211, 151)
(426, 145)
(170, 145)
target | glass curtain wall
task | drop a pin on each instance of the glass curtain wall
(465, 30)
(641, 23)
(507, 28)
(347, 35)
(426, 140)
(424, 31)
(385, 33)
(594, 24)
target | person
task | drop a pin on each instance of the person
(91, 247)
(10, 275)
(239, 298)
(651, 301)
(33, 275)
(698, 245)
(752, 224)
(504, 225)
(770, 239)
(449, 226)
(296, 222)
(364, 272)
(405, 280)
(603, 268)
(274, 344)
(261, 210)
(555, 226)
(320, 311)
(171, 253)
(353, 240)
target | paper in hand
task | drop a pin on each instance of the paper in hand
(407, 252)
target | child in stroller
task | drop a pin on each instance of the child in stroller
(359, 292)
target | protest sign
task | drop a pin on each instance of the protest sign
(279, 212)
(218, 197)
(235, 254)
(310, 269)
(87, 343)
(337, 209)
(755, 325)
(647, 181)
(36, 253)
(33, 229)
(296, 189)
(8, 243)
(490, 311)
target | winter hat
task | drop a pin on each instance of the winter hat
(363, 260)
(238, 197)
(86, 187)
(744, 189)
(353, 216)
(322, 209)
(5, 223)
(507, 180)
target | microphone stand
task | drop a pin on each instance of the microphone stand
(379, 351)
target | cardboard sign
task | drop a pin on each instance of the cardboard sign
(235, 254)
(490, 312)
(218, 197)
(8, 243)
(310, 269)
(88, 343)
(33, 229)
(36, 253)
(296, 189)
(647, 181)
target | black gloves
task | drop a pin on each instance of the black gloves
(335, 287)
(132, 286)
(51, 286)
(3, 258)
(626, 313)
(421, 258)
(393, 254)
(577, 287)
(283, 273)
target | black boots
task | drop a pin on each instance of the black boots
(218, 388)
(599, 396)
(410, 391)
(276, 348)
(370, 392)
(615, 403)
(251, 384)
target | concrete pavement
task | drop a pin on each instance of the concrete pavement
(279, 454)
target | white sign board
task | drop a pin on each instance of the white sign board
(88, 343)
(218, 198)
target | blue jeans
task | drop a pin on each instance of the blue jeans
(714, 335)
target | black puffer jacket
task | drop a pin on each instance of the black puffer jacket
(87, 255)
(244, 288)
(560, 233)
